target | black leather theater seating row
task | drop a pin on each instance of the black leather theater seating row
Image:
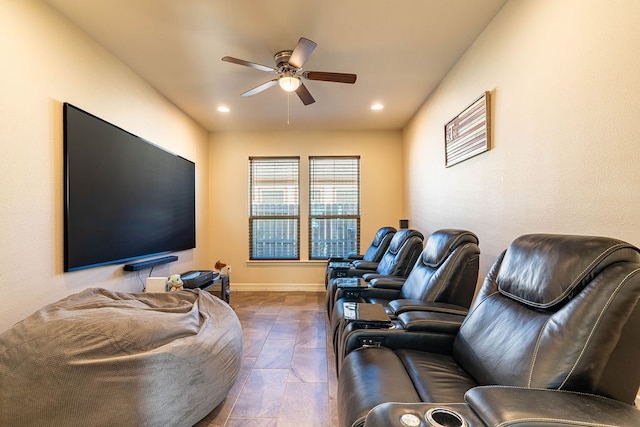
(551, 339)
(402, 252)
(443, 278)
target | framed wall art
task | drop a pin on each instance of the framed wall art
(468, 134)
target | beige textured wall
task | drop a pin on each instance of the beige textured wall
(564, 78)
(45, 62)
(381, 176)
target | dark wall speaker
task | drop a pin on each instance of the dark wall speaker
(135, 266)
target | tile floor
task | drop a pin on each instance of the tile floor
(287, 377)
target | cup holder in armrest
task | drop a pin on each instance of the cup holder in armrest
(442, 417)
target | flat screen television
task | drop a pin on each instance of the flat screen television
(124, 198)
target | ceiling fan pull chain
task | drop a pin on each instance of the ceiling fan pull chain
(288, 106)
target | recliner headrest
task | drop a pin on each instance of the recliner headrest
(545, 270)
(442, 242)
(401, 237)
(381, 234)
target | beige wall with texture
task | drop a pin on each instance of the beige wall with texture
(47, 61)
(563, 77)
(381, 177)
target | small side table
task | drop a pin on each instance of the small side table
(220, 287)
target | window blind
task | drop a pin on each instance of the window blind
(334, 206)
(274, 208)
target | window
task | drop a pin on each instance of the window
(334, 206)
(274, 208)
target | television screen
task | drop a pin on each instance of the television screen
(124, 197)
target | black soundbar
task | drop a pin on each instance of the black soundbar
(135, 266)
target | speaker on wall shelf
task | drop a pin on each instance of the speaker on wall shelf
(140, 265)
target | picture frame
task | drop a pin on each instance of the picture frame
(468, 133)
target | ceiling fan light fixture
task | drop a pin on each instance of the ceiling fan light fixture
(289, 82)
(289, 72)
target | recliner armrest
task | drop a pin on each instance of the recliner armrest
(350, 283)
(500, 405)
(400, 306)
(338, 269)
(418, 330)
(349, 258)
(365, 265)
(516, 407)
(369, 293)
(427, 321)
(433, 341)
(357, 272)
(372, 276)
(386, 282)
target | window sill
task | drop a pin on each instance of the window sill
(286, 263)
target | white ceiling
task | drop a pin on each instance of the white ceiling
(399, 49)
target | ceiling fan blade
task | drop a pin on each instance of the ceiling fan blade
(330, 77)
(304, 95)
(301, 52)
(262, 87)
(249, 64)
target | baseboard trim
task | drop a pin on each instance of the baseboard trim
(276, 287)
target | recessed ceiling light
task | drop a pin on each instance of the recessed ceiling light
(377, 107)
(223, 109)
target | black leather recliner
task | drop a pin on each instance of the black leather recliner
(551, 339)
(446, 271)
(443, 278)
(373, 255)
(398, 259)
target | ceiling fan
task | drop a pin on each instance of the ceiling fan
(289, 70)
